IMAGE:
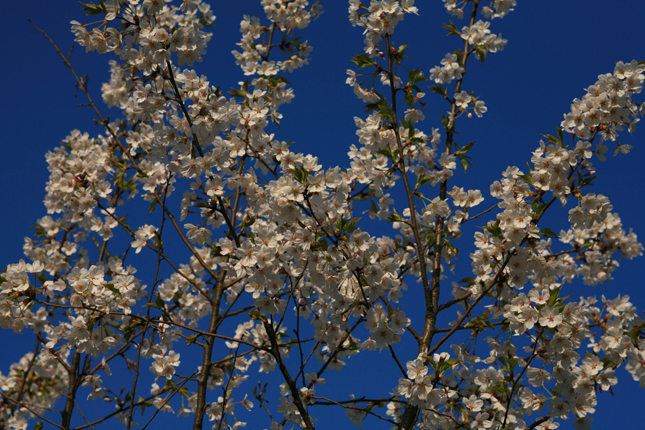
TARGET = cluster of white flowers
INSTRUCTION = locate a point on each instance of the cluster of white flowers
(479, 41)
(551, 362)
(607, 108)
(159, 31)
(379, 19)
(38, 381)
(497, 8)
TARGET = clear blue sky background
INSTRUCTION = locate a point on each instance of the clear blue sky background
(555, 50)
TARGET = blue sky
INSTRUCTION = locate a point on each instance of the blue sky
(554, 51)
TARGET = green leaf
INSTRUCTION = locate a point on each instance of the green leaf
(280, 79)
(323, 244)
(152, 207)
(636, 332)
(447, 365)
(40, 231)
(112, 288)
(159, 301)
(421, 179)
(553, 296)
(255, 315)
(129, 331)
(395, 217)
(410, 128)
(247, 222)
(494, 230)
(350, 226)
(464, 162)
(548, 233)
(373, 207)
(409, 99)
(452, 29)
(152, 305)
(552, 139)
(608, 362)
(466, 148)
(431, 360)
(527, 178)
(94, 9)
(439, 89)
(381, 107)
(415, 76)
(587, 181)
(300, 174)
(482, 50)
(388, 153)
(512, 362)
(537, 207)
(363, 61)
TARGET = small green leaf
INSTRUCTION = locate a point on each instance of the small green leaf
(548, 233)
(300, 174)
(159, 301)
(466, 148)
(112, 288)
(350, 226)
(452, 29)
(388, 153)
(94, 9)
(237, 93)
(363, 61)
(552, 139)
(422, 180)
(608, 362)
(447, 365)
(587, 181)
(439, 89)
(464, 162)
(512, 362)
(281, 79)
(494, 230)
(395, 217)
(553, 296)
(409, 99)
(415, 76)
(152, 305)
(323, 244)
(482, 50)
(538, 207)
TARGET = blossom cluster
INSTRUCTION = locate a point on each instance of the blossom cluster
(607, 108)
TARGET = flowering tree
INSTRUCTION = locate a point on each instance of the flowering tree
(275, 269)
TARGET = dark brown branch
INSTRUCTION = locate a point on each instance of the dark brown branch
(71, 392)
(297, 399)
